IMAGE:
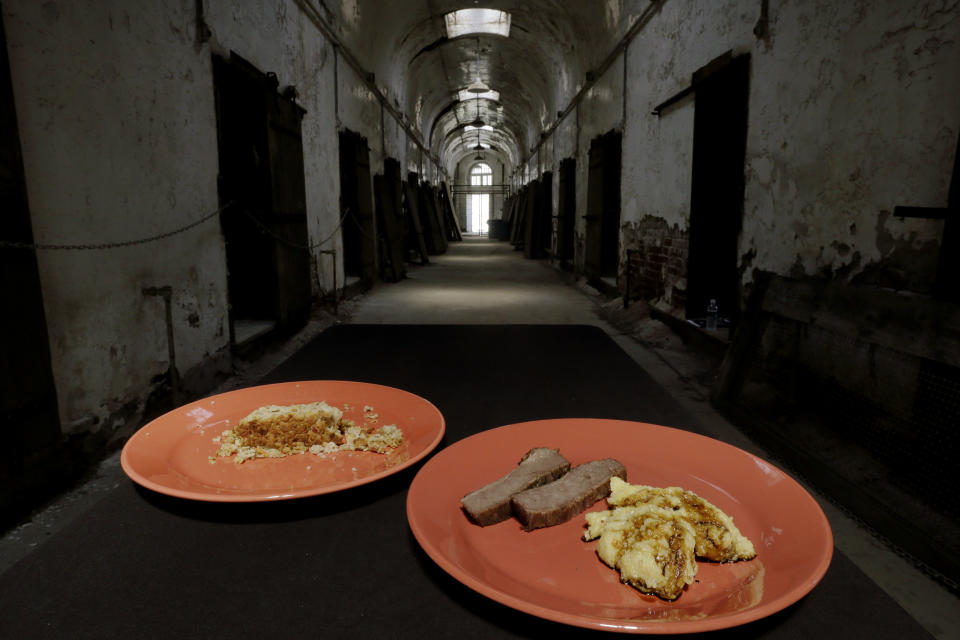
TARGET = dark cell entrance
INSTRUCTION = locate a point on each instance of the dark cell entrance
(537, 227)
(602, 248)
(716, 202)
(388, 197)
(29, 421)
(545, 205)
(261, 185)
(356, 205)
(566, 209)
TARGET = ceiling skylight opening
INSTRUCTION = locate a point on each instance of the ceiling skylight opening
(463, 94)
(470, 127)
(466, 21)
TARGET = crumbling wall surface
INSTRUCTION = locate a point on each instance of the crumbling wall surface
(658, 149)
(118, 134)
(117, 122)
(854, 109)
(359, 110)
(657, 262)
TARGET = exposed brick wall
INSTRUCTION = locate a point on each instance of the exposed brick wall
(657, 261)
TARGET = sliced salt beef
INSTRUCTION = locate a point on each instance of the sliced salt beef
(491, 504)
(575, 492)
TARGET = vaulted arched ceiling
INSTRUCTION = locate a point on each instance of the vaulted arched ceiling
(537, 69)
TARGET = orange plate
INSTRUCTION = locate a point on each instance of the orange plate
(171, 454)
(554, 574)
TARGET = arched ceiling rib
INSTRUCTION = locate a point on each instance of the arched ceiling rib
(537, 69)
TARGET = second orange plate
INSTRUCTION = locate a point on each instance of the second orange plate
(172, 454)
(552, 573)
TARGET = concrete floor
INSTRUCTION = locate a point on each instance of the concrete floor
(479, 281)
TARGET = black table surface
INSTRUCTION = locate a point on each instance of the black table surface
(143, 565)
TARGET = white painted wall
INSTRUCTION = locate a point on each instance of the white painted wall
(118, 130)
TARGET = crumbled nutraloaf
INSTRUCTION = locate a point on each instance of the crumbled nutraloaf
(275, 431)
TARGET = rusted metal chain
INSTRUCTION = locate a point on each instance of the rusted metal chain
(43, 246)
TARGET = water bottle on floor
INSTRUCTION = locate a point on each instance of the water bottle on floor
(712, 314)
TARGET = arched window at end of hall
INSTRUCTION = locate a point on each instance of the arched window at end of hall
(481, 175)
(478, 200)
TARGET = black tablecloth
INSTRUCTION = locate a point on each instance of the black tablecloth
(143, 565)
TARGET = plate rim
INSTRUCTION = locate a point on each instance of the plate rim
(140, 479)
(721, 621)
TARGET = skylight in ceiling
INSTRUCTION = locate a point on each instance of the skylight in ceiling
(464, 21)
(463, 94)
(470, 127)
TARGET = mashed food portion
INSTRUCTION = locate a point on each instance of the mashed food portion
(275, 431)
(652, 547)
(653, 536)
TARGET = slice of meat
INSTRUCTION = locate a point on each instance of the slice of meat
(573, 493)
(491, 504)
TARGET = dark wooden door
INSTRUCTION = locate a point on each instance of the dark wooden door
(389, 224)
(356, 205)
(261, 184)
(414, 235)
(518, 224)
(29, 421)
(288, 220)
(434, 230)
(531, 220)
(536, 241)
(716, 201)
(244, 189)
(566, 209)
(545, 222)
(602, 248)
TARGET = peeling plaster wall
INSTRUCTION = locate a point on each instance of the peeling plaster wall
(658, 150)
(853, 110)
(118, 132)
(867, 119)
(394, 140)
(359, 110)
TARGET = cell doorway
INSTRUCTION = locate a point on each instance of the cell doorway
(262, 195)
(478, 204)
(716, 200)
